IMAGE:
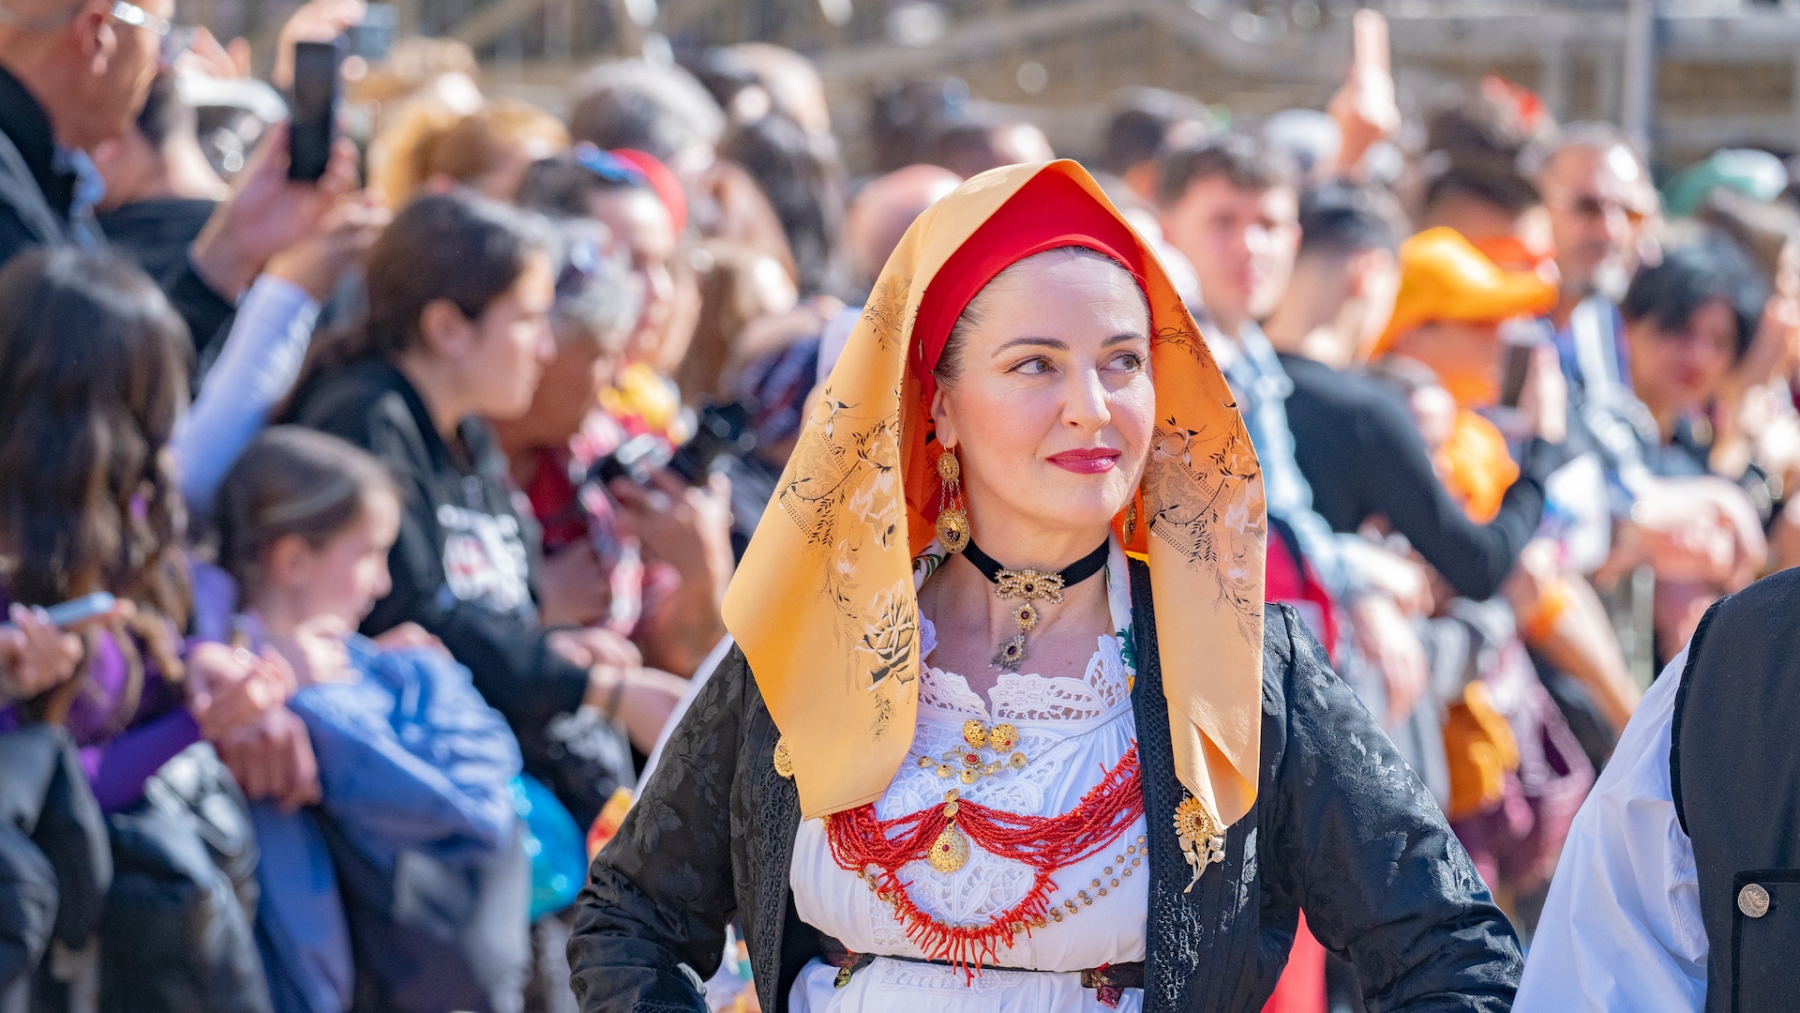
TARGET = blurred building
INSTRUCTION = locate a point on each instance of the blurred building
(1725, 72)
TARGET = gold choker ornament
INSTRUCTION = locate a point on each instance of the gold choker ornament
(1032, 586)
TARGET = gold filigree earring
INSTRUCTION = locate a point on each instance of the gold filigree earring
(952, 520)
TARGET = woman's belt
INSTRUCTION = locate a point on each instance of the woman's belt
(1108, 981)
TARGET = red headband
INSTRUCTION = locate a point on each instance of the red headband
(1051, 210)
(662, 182)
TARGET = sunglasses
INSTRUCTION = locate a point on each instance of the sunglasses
(1594, 208)
(607, 166)
(173, 39)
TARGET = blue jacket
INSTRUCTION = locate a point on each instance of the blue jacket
(415, 769)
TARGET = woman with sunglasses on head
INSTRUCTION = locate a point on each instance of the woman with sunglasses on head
(1007, 726)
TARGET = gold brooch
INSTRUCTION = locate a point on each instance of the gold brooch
(969, 765)
(1202, 838)
(784, 763)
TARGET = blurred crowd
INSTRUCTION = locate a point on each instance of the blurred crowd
(394, 510)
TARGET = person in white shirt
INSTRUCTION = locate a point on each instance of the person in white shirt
(1679, 886)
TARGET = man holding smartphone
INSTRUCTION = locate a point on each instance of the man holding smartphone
(75, 75)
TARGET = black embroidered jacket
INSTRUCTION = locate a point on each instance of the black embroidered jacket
(1342, 829)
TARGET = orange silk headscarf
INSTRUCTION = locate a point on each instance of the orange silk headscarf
(823, 603)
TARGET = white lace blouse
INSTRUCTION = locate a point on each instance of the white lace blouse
(1073, 730)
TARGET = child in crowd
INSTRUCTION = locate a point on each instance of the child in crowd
(413, 857)
(457, 333)
(93, 379)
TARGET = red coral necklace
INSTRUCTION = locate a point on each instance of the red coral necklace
(941, 835)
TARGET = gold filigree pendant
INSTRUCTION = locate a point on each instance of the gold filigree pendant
(784, 763)
(1011, 654)
(950, 851)
(953, 529)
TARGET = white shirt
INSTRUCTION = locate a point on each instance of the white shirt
(1621, 929)
(1072, 730)
(257, 367)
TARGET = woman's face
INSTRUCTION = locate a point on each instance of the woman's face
(571, 385)
(513, 344)
(1052, 410)
(1675, 371)
(640, 221)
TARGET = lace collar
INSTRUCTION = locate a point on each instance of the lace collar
(1102, 692)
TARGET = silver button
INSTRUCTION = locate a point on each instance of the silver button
(1753, 900)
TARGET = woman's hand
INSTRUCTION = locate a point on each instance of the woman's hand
(267, 212)
(273, 759)
(1696, 529)
(639, 698)
(595, 645)
(688, 527)
(318, 21)
(230, 689)
(1403, 580)
(1388, 640)
(1364, 106)
(316, 652)
(35, 655)
(410, 635)
(573, 587)
(341, 238)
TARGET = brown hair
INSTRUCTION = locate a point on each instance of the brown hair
(429, 140)
(455, 246)
(1245, 162)
(728, 303)
(93, 372)
(292, 481)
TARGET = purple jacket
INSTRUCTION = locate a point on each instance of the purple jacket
(120, 750)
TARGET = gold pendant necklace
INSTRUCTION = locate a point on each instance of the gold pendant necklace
(1032, 586)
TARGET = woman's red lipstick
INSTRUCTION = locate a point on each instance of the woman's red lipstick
(1086, 462)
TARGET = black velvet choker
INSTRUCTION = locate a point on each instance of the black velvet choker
(1069, 576)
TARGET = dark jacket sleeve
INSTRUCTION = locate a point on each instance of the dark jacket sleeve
(206, 312)
(1367, 853)
(15, 235)
(1397, 480)
(659, 895)
(511, 661)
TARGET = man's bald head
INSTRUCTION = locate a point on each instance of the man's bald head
(89, 71)
(881, 212)
(1599, 196)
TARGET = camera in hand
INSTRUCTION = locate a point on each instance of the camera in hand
(723, 429)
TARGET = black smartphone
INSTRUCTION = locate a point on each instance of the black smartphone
(314, 120)
(1518, 368)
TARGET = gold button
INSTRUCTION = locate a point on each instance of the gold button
(1753, 900)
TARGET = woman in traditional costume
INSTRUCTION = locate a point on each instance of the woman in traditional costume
(957, 759)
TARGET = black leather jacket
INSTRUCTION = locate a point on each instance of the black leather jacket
(1342, 829)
